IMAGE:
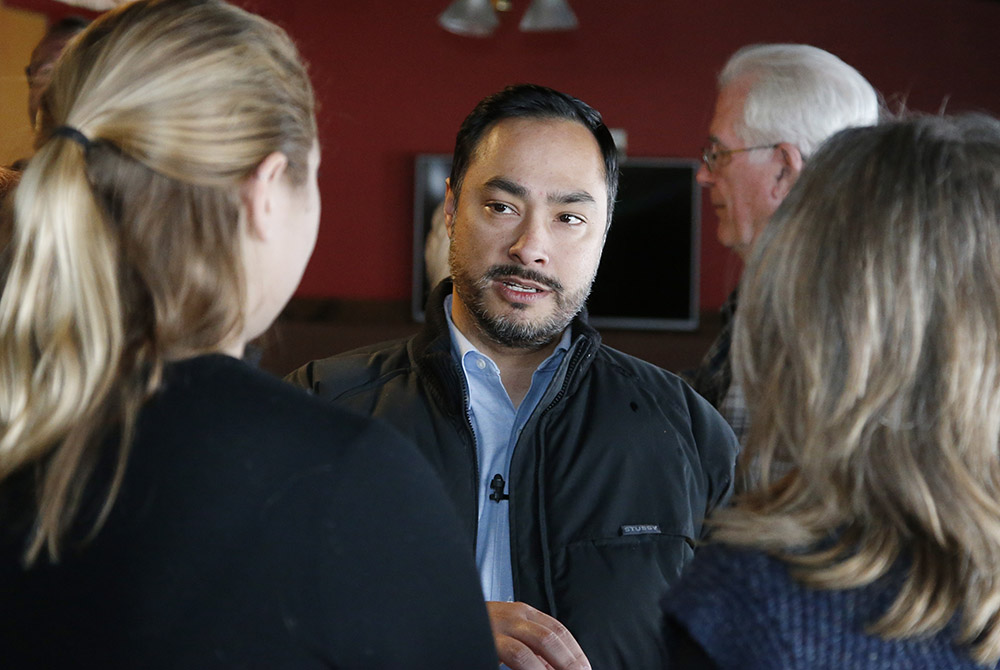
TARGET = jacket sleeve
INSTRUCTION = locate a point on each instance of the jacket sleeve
(303, 376)
(717, 448)
(343, 374)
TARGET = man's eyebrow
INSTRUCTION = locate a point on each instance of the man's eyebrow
(571, 197)
(519, 191)
(507, 186)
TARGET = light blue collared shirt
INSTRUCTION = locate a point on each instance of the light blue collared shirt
(496, 425)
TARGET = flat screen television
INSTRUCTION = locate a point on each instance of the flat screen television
(648, 278)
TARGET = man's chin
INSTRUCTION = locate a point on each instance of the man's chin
(727, 236)
(498, 307)
(516, 330)
(529, 324)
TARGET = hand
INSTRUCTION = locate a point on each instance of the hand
(527, 639)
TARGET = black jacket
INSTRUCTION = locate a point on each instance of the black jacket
(609, 481)
(256, 527)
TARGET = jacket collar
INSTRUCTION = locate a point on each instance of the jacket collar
(431, 348)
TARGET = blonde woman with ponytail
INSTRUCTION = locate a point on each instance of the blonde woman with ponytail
(162, 503)
(868, 343)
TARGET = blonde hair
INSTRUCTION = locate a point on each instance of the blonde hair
(126, 248)
(868, 343)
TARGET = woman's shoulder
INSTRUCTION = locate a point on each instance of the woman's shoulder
(729, 603)
(226, 415)
(720, 570)
(233, 436)
(221, 391)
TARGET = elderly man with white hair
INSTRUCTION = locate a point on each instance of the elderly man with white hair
(776, 104)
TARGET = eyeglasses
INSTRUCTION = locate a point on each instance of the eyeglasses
(710, 157)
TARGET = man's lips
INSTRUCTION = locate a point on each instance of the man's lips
(522, 281)
(522, 285)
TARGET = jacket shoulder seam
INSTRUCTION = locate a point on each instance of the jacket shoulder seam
(381, 380)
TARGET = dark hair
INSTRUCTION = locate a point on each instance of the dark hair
(537, 102)
(67, 26)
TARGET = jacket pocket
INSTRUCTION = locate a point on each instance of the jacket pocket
(603, 570)
(608, 594)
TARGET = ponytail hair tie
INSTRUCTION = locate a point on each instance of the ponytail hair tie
(75, 135)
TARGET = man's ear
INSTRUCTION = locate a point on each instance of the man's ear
(450, 203)
(790, 167)
(260, 195)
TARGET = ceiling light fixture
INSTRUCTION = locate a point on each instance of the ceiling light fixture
(473, 18)
(478, 18)
(545, 15)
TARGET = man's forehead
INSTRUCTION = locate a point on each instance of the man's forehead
(513, 139)
(492, 137)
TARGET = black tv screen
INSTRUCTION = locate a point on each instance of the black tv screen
(648, 278)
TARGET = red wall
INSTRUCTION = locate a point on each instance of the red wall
(393, 84)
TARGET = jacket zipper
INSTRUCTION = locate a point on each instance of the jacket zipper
(574, 362)
(475, 458)
(570, 373)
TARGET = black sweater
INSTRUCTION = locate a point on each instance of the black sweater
(256, 527)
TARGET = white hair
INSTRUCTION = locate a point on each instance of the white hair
(798, 94)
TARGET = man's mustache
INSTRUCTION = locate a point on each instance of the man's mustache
(498, 271)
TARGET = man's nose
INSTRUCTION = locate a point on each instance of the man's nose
(532, 243)
(704, 176)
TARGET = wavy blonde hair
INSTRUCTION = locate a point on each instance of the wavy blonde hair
(868, 343)
(127, 252)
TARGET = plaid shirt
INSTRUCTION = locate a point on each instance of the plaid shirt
(713, 379)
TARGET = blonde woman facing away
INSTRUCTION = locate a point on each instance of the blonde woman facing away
(868, 342)
(163, 504)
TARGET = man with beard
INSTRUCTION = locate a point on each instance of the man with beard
(583, 474)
